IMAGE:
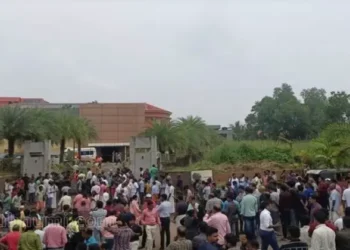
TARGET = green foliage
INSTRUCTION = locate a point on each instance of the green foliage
(283, 114)
(187, 138)
(245, 151)
(19, 124)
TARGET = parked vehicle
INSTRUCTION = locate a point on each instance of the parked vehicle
(87, 154)
(341, 175)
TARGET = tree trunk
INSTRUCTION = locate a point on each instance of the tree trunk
(79, 149)
(11, 147)
(62, 147)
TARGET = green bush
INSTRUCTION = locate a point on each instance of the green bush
(238, 152)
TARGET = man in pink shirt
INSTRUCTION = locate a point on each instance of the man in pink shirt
(55, 236)
(219, 221)
(150, 219)
(109, 221)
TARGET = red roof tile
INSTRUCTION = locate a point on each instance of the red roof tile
(150, 107)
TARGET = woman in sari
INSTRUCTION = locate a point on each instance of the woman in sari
(135, 208)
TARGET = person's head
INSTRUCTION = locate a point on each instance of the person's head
(346, 222)
(150, 204)
(253, 245)
(181, 232)
(266, 205)
(99, 204)
(243, 238)
(87, 233)
(313, 199)
(132, 220)
(66, 208)
(249, 190)
(180, 198)
(284, 187)
(231, 240)
(163, 197)
(320, 216)
(216, 208)
(230, 197)
(123, 219)
(304, 220)
(31, 224)
(212, 234)
(15, 228)
(294, 232)
(203, 227)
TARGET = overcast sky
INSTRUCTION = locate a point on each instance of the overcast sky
(212, 59)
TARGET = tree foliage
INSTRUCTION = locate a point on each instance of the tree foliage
(19, 124)
(187, 137)
(283, 114)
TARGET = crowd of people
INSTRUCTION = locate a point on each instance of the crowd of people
(117, 210)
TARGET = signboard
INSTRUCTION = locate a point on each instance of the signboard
(205, 174)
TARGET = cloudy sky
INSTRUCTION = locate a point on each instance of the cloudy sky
(208, 58)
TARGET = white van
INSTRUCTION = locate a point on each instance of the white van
(87, 154)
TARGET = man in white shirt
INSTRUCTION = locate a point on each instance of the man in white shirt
(323, 238)
(334, 203)
(89, 174)
(346, 196)
(267, 234)
(339, 222)
(233, 179)
(65, 200)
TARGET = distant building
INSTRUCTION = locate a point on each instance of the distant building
(14, 100)
(225, 132)
(115, 123)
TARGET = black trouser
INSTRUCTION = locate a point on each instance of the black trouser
(285, 220)
(165, 223)
(141, 197)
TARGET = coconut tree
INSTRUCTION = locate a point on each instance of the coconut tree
(332, 154)
(82, 131)
(166, 133)
(16, 124)
(65, 126)
(194, 134)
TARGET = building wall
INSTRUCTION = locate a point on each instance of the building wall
(115, 123)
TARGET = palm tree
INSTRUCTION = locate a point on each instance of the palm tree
(82, 132)
(18, 124)
(332, 154)
(166, 133)
(194, 134)
(65, 126)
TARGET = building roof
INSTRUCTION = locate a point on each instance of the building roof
(149, 107)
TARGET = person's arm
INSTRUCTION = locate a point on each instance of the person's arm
(38, 245)
(242, 206)
(20, 244)
(64, 237)
(3, 242)
(112, 229)
(45, 237)
(158, 219)
(333, 202)
(228, 227)
(206, 218)
(344, 200)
